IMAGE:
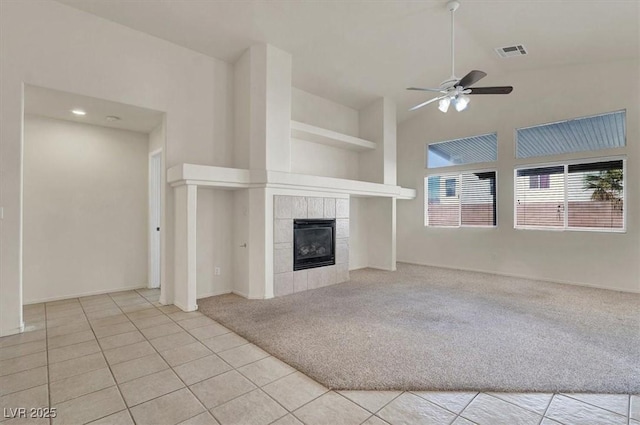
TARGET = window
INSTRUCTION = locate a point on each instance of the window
(469, 150)
(582, 195)
(593, 133)
(467, 199)
(539, 181)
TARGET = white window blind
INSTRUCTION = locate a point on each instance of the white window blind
(604, 131)
(468, 150)
(586, 195)
(465, 199)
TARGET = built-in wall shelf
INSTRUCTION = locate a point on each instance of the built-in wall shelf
(311, 133)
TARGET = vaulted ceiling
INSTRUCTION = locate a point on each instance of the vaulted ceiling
(355, 51)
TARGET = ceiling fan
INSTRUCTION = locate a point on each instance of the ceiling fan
(454, 91)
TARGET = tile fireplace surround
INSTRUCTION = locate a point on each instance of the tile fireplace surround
(288, 208)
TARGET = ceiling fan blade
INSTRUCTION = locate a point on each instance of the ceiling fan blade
(471, 78)
(491, 90)
(425, 89)
(426, 103)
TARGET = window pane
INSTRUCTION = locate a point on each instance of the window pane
(542, 205)
(469, 150)
(442, 209)
(478, 200)
(578, 135)
(595, 192)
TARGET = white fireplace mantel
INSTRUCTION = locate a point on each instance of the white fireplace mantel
(237, 178)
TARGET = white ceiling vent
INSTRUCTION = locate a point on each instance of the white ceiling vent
(511, 51)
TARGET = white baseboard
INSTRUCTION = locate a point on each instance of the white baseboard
(12, 331)
(85, 294)
(242, 294)
(519, 276)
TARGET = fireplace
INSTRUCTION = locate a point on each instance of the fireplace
(314, 243)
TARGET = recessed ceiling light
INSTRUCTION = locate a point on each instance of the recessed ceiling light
(78, 112)
(113, 118)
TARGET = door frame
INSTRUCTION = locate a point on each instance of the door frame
(152, 155)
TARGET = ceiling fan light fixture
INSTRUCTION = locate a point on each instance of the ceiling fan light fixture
(461, 102)
(444, 103)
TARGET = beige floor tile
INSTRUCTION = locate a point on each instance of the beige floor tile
(371, 400)
(110, 321)
(120, 418)
(75, 311)
(201, 369)
(635, 407)
(123, 302)
(23, 380)
(634, 422)
(288, 420)
(294, 390)
(145, 314)
(128, 352)
(224, 342)
(208, 331)
(137, 307)
(169, 409)
(151, 386)
(570, 411)
(486, 409)
(79, 385)
(70, 339)
(104, 305)
(374, 420)
(121, 340)
(332, 409)
(186, 353)
(97, 314)
(149, 322)
(184, 315)
(67, 301)
(68, 329)
(22, 363)
(22, 349)
(243, 355)
(168, 309)
(536, 402)
(168, 342)
(136, 368)
(32, 398)
(22, 338)
(410, 409)
(89, 407)
(617, 403)
(201, 419)
(453, 401)
(253, 408)
(221, 388)
(162, 330)
(266, 371)
(73, 351)
(117, 329)
(197, 322)
(73, 367)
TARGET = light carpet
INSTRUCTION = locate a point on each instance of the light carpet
(427, 328)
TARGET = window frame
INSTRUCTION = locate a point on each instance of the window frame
(565, 164)
(458, 175)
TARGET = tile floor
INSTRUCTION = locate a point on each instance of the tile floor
(122, 358)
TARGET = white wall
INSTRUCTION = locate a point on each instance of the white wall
(358, 233)
(589, 258)
(85, 209)
(214, 239)
(114, 63)
(316, 159)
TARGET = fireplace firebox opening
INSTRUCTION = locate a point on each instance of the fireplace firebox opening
(314, 243)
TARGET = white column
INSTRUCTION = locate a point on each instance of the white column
(378, 124)
(185, 201)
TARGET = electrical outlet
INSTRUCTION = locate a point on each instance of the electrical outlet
(216, 271)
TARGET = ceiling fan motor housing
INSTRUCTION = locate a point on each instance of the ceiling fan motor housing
(453, 5)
